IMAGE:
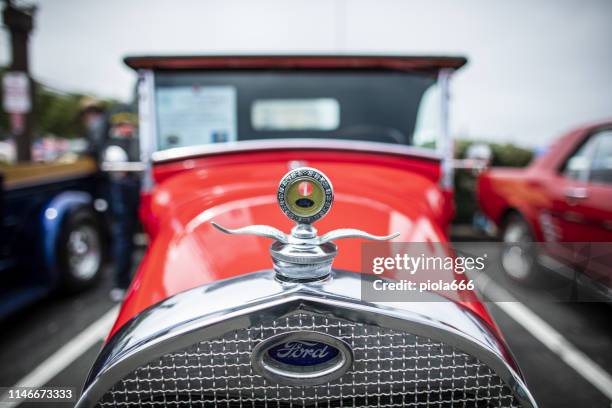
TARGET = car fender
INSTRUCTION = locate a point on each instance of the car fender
(52, 217)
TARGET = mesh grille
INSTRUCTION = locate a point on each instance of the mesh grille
(391, 369)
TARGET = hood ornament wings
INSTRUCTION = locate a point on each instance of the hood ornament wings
(305, 195)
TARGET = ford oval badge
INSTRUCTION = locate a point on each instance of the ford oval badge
(302, 358)
(303, 353)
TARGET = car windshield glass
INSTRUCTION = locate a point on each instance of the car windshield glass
(196, 108)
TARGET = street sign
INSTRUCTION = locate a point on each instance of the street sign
(16, 92)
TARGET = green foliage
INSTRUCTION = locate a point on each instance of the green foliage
(504, 155)
(56, 114)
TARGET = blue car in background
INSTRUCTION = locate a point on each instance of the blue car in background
(51, 237)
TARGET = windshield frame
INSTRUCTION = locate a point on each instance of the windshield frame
(150, 152)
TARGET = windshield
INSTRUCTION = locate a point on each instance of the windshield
(196, 108)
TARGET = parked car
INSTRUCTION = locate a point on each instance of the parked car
(240, 150)
(51, 238)
(563, 199)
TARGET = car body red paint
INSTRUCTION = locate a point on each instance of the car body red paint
(375, 191)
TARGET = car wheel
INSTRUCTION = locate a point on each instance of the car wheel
(518, 255)
(80, 251)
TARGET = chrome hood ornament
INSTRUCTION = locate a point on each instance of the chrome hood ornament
(305, 195)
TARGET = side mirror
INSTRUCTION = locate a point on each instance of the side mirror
(477, 158)
(115, 159)
(479, 151)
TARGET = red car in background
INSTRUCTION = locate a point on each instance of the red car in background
(563, 198)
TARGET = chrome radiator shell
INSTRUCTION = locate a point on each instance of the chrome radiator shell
(251, 301)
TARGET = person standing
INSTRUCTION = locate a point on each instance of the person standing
(92, 115)
(124, 194)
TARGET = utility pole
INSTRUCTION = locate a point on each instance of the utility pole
(18, 89)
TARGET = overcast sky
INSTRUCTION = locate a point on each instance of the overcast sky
(537, 67)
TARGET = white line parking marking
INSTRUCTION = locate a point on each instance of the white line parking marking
(551, 338)
(62, 358)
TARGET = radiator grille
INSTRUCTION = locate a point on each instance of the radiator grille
(391, 369)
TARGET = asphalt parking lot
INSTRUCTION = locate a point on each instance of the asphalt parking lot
(552, 373)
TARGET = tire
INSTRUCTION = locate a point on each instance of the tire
(519, 255)
(80, 250)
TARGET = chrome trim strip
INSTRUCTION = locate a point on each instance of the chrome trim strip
(134, 167)
(147, 124)
(211, 310)
(445, 142)
(181, 153)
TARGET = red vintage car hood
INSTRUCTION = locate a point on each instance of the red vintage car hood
(380, 198)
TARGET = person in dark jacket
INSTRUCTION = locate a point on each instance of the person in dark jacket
(93, 116)
(124, 193)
